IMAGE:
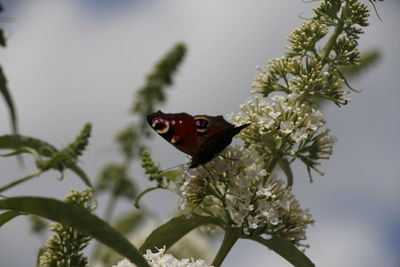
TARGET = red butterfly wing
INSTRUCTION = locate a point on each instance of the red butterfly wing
(201, 136)
(179, 129)
(214, 144)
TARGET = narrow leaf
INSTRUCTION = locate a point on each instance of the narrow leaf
(7, 98)
(285, 166)
(173, 230)
(287, 250)
(78, 218)
(81, 173)
(17, 142)
(8, 216)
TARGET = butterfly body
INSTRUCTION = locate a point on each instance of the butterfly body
(201, 136)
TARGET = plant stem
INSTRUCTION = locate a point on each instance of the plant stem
(271, 167)
(230, 238)
(332, 40)
(37, 172)
(110, 208)
(137, 199)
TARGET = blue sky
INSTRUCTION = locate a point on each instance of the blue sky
(69, 62)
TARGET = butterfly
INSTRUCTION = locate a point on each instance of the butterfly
(202, 137)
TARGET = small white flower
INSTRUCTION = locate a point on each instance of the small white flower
(286, 127)
(266, 122)
(316, 118)
(160, 259)
(124, 263)
(292, 96)
(278, 98)
(274, 220)
(253, 222)
(262, 191)
(274, 114)
(300, 135)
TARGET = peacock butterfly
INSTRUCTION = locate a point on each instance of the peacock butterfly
(201, 136)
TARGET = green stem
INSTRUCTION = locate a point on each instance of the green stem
(271, 166)
(37, 172)
(332, 40)
(110, 208)
(230, 238)
(137, 199)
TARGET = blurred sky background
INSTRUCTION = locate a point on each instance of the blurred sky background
(71, 62)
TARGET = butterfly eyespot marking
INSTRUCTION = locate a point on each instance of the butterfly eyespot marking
(160, 125)
(202, 124)
(175, 139)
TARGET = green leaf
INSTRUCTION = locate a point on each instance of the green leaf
(8, 216)
(78, 218)
(7, 98)
(2, 38)
(17, 142)
(285, 166)
(173, 230)
(287, 250)
(81, 173)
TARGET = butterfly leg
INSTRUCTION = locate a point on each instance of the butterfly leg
(209, 172)
(227, 157)
(214, 185)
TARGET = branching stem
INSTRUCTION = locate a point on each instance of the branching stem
(332, 40)
(230, 238)
(37, 172)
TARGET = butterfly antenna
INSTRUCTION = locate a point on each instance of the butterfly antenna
(183, 164)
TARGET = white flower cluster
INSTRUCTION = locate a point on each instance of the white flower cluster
(239, 191)
(161, 259)
(193, 244)
(284, 118)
